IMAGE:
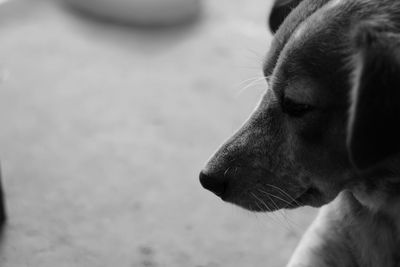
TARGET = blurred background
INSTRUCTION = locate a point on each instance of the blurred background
(106, 123)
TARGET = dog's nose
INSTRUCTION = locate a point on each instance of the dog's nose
(214, 184)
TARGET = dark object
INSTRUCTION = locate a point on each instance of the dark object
(215, 185)
(2, 204)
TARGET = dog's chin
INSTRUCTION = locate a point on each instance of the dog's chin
(310, 197)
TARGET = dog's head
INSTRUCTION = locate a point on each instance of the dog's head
(330, 112)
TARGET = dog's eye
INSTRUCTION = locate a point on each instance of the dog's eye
(294, 109)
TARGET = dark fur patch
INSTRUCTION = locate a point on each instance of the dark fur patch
(374, 131)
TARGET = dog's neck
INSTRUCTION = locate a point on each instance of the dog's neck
(379, 201)
(372, 226)
(352, 231)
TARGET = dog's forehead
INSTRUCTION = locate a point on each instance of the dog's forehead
(314, 47)
(291, 23)
(313, 19)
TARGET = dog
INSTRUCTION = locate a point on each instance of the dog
(326, 133)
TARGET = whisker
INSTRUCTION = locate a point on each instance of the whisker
(258, 54)
(227, 170)
(291, 224)
(261, 208)
(253, 83)
(247, 67)
(281, 199)
(269, 210)
(279, 211)
(257, 201)
(261, 202)
(286, 194)
(250, 79)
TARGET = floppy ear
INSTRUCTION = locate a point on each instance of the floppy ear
(280, 11)
(374, 123)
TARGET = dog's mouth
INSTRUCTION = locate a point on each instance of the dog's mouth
(311, 196)
(268, 197)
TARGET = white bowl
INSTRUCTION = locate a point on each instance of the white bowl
(145, 12)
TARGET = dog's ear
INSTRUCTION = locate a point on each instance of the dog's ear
(280, 11)
(374, 119)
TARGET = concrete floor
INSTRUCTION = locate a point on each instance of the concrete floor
(104, 131)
